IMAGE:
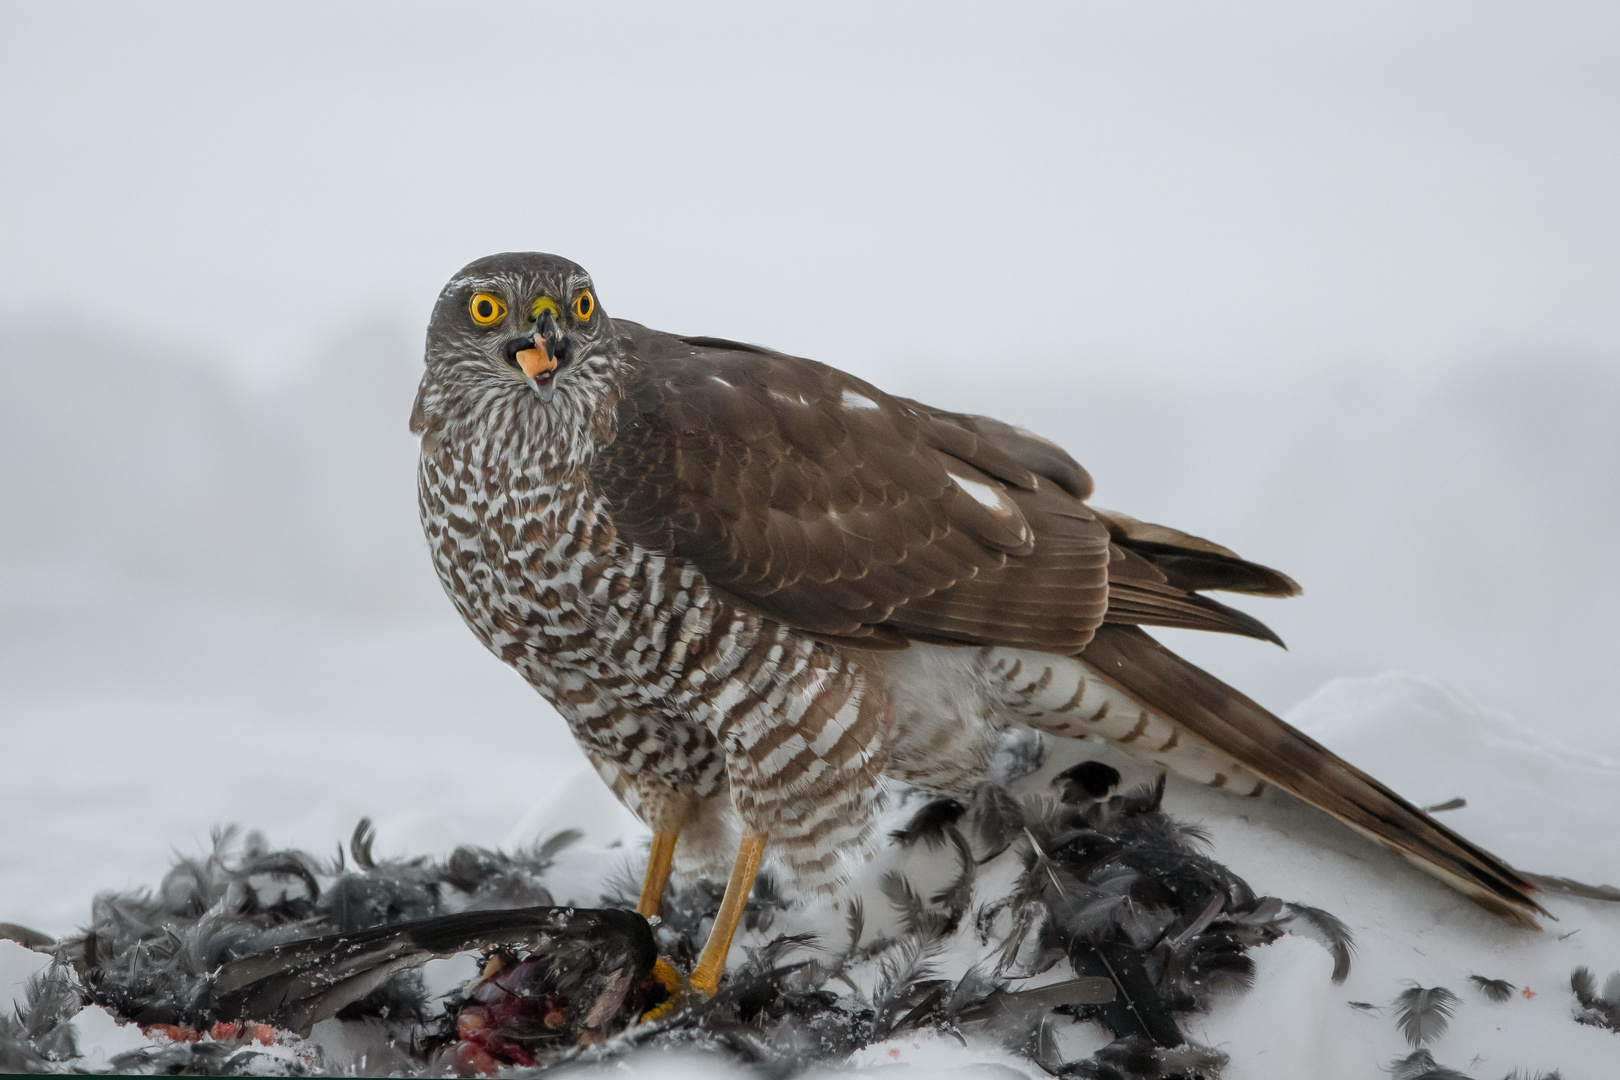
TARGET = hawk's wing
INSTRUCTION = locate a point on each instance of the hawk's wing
(1154, 572)
(814, 498)
(1152, 580)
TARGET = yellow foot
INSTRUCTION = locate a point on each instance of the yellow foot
(673, 984)
(704, 983)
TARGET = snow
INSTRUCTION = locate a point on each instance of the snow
(100, 1037)
(935, 1054)
(1539, 803)
(1292, 993)
(17, 966)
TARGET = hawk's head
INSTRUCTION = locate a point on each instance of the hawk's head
(519, 322)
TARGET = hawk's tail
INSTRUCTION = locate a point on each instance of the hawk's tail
(1276, 752)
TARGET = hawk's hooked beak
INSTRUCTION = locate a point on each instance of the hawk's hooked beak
(540, 355)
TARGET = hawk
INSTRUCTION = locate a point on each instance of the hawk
(754, 586)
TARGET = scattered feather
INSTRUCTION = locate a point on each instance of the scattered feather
(900, 969)
(1152, 926)
(19, 1053)
(996, 817)
(1136, 1058)
(928, 824)
(203, 1059)
(1573, 887)
(50, 1002)
(1087, 781)
(1420, 1065)
(1497, 990)
(365, 834)
(1328, 929)
(1598, 1009)
(1424, 1012)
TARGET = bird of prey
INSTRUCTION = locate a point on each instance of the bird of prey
(754, 586)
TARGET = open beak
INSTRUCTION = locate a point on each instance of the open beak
(540, 355)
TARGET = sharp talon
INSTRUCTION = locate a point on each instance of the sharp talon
(664, 1008)
(673, 984)
(666, 974)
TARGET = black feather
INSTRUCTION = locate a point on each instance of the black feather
(1424, 1012)
(298, 984)
(1136, 1058)
(928, 825)
(1599, 1009)
(915, 917)
(1330, 930)
(203, 1059)
(900, 969)
(1087, 781)
(854, 923)
(1137, 1007)
(1497, 990)
(360, 844)
(1152, 926)
(997, 818)
(1420, 1065)
(18, 1052)
(50, 1002)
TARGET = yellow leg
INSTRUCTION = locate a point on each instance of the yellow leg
(658, 860)
(706, 976)
(652, 895)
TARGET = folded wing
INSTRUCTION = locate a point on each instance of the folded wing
(814, 498)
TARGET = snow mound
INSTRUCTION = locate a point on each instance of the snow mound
(1531, 801)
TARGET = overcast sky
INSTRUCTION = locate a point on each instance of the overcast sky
(1016, 185)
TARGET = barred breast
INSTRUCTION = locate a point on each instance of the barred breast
(659, 680)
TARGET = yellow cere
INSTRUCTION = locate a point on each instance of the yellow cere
(545, 303)
(584, 304)
(485, 309)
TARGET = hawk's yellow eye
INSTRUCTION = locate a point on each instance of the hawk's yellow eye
(485, 309)
(584, 305)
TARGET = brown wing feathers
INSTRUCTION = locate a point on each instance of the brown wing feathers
(1153, 572)
(1152, 577)
(1191, 562)
(815, 499)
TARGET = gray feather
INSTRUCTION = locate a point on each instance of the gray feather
(1424, 1012)
(1497, 990)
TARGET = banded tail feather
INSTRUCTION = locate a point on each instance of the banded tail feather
(1276, 752)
